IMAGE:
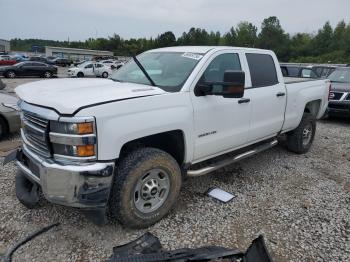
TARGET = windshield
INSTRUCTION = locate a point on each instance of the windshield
(168, 70)
(341, 75)
(83, 64)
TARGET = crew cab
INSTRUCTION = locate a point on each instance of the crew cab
(125, 144)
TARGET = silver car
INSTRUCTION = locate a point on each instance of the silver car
(9, 115)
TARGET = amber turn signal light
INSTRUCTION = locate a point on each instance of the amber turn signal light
(85, 128)
(86, 150)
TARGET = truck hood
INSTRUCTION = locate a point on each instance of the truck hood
(67, 96)
(341, 87)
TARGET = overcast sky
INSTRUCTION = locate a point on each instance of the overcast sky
(81, 19)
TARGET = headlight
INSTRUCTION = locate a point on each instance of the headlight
(74, 138)
(12, 106)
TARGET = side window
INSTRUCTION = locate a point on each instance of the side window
(216, 69)
(306, 72)
(262, 70)
(293, 71)
(89, 66)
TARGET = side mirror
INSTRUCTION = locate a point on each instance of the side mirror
(231, 87)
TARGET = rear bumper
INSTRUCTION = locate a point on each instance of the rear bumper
(84, 186)
(341, 108)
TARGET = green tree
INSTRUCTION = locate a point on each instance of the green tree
(230, 37)
(323, 40)
(246, 34)
(273, 37)
(166, 39)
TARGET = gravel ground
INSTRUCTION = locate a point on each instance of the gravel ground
(299, 202)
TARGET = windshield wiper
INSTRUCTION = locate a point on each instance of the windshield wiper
(143, 70)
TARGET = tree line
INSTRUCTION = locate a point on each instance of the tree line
(327, 45)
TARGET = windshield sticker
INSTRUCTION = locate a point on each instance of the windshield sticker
(192, 56)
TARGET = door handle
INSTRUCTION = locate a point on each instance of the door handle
(243, 100)
(280, 94)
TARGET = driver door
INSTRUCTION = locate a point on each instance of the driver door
(89, 70)
(221, 124)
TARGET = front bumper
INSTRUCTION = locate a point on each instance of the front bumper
(341, 108)
(84, 186)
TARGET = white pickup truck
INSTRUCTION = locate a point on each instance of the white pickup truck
(124, 145)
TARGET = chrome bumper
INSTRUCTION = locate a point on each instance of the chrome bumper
(85, 186)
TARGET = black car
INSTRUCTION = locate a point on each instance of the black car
(62, 61)
(298, 71)
(40, 59)
(29, 68)
(339, 96)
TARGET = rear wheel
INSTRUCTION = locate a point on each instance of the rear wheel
(10, 74)
(300, 140)
(145, 188)
(104, 74)
(80, 74)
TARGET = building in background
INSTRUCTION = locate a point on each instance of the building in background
(75, 53)
(4, 46)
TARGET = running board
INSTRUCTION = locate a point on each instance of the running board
(218, 165)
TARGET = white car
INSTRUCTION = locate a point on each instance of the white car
(124, 146)
(103, 70)
(82, 70)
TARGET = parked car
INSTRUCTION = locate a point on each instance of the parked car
(339, 104)
(298, 71)
(103, 70)
(9, 115)
(6, 60)
(169, 113)
(82, 70)
(323, 71)
(29, 68)
(40, 59)
(62, 61)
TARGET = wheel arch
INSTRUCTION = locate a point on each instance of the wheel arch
(172, 142)
(313, 107)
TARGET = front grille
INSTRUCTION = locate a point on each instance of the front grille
(336, 95)
(35, 130)
(348, 97)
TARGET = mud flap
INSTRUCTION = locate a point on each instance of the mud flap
(11, 157)
(27, 192)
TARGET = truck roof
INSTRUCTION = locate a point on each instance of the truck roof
(200, 49)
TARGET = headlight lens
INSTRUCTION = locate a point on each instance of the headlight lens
(74, 140)
(72, 128)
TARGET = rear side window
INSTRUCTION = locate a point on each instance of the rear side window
(262, 70)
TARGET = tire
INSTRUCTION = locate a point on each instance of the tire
(47, 74)
(300, 139)
(4, 128)
(80, 74)
(10, 74)
(104, 75)
(27, 192)
(140, 179)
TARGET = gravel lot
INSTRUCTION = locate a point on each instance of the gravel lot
(299, 202)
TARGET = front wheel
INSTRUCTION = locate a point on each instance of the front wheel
(104, 74)
(300, 139)
(145, 188)
(47, 74)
